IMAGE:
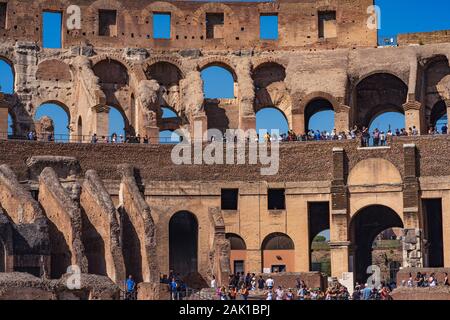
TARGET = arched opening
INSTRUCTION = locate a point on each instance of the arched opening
(218, 82)
(2, 257)
(7, 76)
(168, 125)
(238, 254)
(268, 73)
(166, 73)
(112, 74)
(319, 236)
(59, 124)
(183, 243)
(117, 124)
(277, 253)
(438, 116)
(377, 94)
(393, 122)
(366, 227)
(319, 115)
(271, 120)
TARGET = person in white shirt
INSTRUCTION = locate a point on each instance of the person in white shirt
(213, 282)
(270, 283)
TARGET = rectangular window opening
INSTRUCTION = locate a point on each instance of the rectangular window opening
(433, 232)
(161, 25)
(107, 23)
(229, 199)
(52, 29)
(268, 26)
(276, 199)
(327, 24)
(3, 10)
(214, 25)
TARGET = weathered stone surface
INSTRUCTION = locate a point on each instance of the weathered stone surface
(64, 166)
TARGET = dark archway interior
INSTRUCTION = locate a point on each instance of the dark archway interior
(268, 73)
(165, 73)
(377, 94)
(111, 73)
(236, 242)
(277, 241)
(315, 106)
(432, 209)
(318, 221)
(364, 227)
(183, 238)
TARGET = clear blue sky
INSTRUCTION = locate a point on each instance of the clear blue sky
(397, 16)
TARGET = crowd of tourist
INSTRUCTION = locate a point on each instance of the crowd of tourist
(422, 280)
(375, 138)
(241, 286)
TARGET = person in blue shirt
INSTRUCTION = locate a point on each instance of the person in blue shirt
(173, 288)
(131, 286)
(366, 292)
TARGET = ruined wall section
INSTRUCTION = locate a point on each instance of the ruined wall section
(138, 213)
(219, 254)
(100, 212)
(15, 200)
(64, 214)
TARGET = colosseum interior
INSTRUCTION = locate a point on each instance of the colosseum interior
(119, 210)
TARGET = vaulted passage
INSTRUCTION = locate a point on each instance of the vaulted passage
(183, 243)
(94, 247)
(131, 247)
(59, 252)
(365, 226)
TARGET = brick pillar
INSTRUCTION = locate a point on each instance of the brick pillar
(3, 118)
(342, 118)
(339, 244)
(412, 233)
(198, 127)
(100, 124)
(298, 123)
(412, 115)
(247, 122)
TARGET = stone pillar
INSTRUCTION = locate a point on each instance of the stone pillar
(341, 118)
(3, 117)
(339, 245)
(100, 124)
(198, 127)
(412, 115)
(412, 232)
(298, 123)
(247, 122)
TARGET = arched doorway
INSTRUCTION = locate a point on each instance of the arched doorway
(319, 115)
(366, 225)
(277, 253)
(319, 236)
(238, 254)
(271, 120)
(183, 243)
(438, 116)
(117, 123)
(387, 122)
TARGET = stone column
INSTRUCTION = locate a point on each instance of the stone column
(412, 233)
(298, 122)
(3, 117)
(339, 244)
(412, 115)
(100, 124)
(341, 118)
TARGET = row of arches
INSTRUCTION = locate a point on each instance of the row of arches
(377, 99)
(367, 229)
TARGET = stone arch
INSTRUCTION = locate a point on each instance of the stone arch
(171, 60)
(277, 250)
(374, 171)
(376, 93)
(214, 7)
(160, 6)
(364, 226)
(135, 73)
(53, 70)
(316, 95)
(268, 72)
(238, 252)
(438, 110)
(166, 73)
(258, 62)
(236, 241)
(59, 103)
(219, 62)
(111, 71)
(183, 243)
